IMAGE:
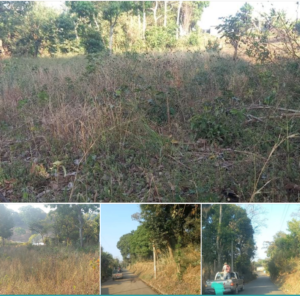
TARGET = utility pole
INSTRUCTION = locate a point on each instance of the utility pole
(232, 254)
(218, 240)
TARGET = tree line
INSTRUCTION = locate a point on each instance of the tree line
(30, 28)
(283, 252)
(68, 224)
(167, 228)
(259, 36)
(227, 230)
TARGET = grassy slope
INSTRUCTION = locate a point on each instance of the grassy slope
(43, 270)
(168, 281)
(289, 281)
(115, 140)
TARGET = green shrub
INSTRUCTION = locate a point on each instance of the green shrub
(161, 38)
(218, 123)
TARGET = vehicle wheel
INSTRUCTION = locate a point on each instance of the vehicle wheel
(242, 288)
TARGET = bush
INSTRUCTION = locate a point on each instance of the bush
(218, 123)
(92, 41)
(213, 46)
(160, 37)
(193, 39)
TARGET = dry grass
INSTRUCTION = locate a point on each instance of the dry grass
(41, 270)
(168, 281)
(122, 131)
(289, 282)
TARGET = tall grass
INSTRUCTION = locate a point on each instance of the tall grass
(179, 127)
(44, 270)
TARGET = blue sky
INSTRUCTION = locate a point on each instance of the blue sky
(276, 218)
(115, 222)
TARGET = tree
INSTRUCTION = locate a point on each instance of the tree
(124, 245)
(41, 227)
(39, 32)
(111, 11)
(235, 28)
(29, 214)
(75, 212)
(12, 17)
(6, 223)
(223, 225)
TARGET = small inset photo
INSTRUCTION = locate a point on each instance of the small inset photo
(250, 249)
(49, 249)
(150, 249)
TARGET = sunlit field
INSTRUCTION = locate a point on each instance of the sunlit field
(43, 270)
(181, 126)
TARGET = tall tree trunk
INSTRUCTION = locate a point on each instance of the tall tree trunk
(139, 22)
(165, 17)
(154, 13)
(80, 226)
(144, 21)
(111, 34)
(178, 16)
(219, 248)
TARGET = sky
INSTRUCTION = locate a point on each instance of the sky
(218, 9)
(276, 218)
(115, 222)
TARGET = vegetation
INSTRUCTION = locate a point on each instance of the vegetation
(53, 261)
(139, 125)
(171, 233)
(224, 226)
(284, 257)
(108, 264)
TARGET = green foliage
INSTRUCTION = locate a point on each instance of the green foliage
(6, 222)
(235, 226)
(213, 46)
(161, 38)
(194, 39)
(236, 28)
(92, 41)
(168, 227)
(284, 250)
(218, 124)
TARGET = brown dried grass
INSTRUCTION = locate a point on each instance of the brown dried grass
(42, 270)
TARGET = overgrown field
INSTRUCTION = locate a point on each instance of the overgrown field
(182, 127)
(42, 270)
(172, 278)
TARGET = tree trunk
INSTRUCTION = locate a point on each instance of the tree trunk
(144, 21)
(80, 220)
(111, 34)
(165, 17)
(178, 16)
(154, 13)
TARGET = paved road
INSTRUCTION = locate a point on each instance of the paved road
(261, 286)
(130, 284)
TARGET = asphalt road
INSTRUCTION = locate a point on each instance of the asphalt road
(261, 286)
(129, 284)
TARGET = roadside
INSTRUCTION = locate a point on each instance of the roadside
(168, 282)
(130, 284)
(289, 282)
